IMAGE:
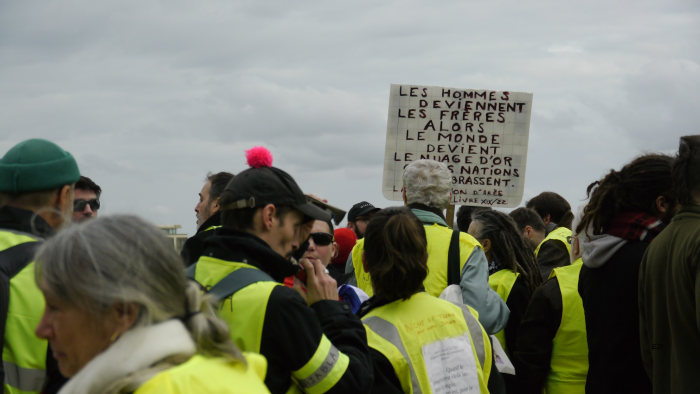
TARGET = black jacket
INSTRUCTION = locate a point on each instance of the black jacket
(385, 379)
(25, 221)
(610, 302)
(292, 331)
(536, 334)
(194, 246)
(553, 254)
(517, 302)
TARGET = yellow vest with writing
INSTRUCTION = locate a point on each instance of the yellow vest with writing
(502, 283)
(560, 234)
(569, 365)
(24, 355)
(244, 312)
(438, 245)
(401, 329)
(202, 374)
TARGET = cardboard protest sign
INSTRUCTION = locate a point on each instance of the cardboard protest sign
(481, 135)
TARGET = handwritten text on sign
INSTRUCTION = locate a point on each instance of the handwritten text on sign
(481, 135)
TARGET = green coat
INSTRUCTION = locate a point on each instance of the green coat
(669, 305)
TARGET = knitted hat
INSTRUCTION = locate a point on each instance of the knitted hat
(346, 240)
(35, 165)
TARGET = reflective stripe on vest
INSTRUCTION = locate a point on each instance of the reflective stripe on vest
(438, 238)
(324, 370)
(560, 234)
(244, 312)
(212, 228)
(399, 331)
(23, 379)
(502, 283)
(391, 334)
(24, 355)
(569, 363)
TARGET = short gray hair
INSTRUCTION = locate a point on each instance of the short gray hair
(427, 182)
(124, 259)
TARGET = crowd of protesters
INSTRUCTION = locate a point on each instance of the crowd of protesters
(271, 295)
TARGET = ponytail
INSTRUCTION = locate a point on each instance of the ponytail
(396, 253)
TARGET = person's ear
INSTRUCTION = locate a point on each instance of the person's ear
(486, 244)
(351, 226)
(335, 250)
(64, 200)
(268, 216)
(528, 231)
(216, 207)
(403, 193)
(661, 204)
(364, 262)
(547, 219)
(124, 316)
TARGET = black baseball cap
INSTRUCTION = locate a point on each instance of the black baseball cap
(257, 187)
(360, 209)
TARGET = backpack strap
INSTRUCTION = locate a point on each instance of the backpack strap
(237, 280)
(190, 271)
(12, 261)
(453, 263)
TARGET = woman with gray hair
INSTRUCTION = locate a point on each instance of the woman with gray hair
(121, 317)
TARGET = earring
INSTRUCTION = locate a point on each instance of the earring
(115, 336)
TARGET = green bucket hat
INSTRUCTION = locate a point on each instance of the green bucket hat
(35, 165)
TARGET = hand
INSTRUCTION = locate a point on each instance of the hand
(319, 285)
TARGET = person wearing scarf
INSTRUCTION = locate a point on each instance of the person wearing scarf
(626, 210)
(121, 316)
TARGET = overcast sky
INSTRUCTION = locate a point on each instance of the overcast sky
(151, 95)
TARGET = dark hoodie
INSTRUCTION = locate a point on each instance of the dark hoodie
(291, 330)
(608, 287)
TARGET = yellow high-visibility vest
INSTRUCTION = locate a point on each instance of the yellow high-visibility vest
(202, 374)
(408, 332)
(24, 354)
(502, 283)
(560, 234)
(438, 238)
(569, 364)
(244, 312)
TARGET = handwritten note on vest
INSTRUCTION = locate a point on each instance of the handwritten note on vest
(481, 135)
(451, 366)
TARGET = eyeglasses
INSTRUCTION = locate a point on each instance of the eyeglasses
(364, 219)
(322, 239)
(79, 204)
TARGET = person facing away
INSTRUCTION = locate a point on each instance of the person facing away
(552, 354)
(513, 273)
(464, 216)
(626, 210)
(121, 316)
(37, 181)
(359, 215)
(535, 232)
(417, 341)
(208, 215)
(312, 341)
(426, 191)
(668, 285)
(556, 214)
(86, 200)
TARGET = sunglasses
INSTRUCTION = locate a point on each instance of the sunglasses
(322, 239)
(79, 204)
